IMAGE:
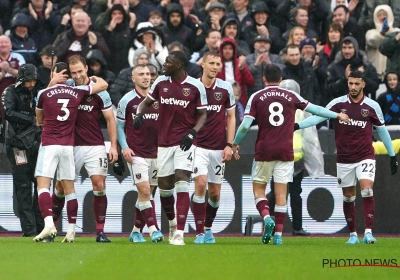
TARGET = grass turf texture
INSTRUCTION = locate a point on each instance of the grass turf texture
(229, 258)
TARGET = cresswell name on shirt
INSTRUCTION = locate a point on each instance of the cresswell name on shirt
(355, 123)
(275, 93)
(148, 116)
(173, 101)
(62, 90)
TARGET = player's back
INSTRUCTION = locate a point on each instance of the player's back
(274, 109)
(60, 108)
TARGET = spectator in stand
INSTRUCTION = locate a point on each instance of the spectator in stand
(90, 7)
(10, 62)
(203, 6)
(213, 40)
(214, 21)
(341, 16)
(118, 38)
(21, 40)
(261, 26)
(149, 39)
(296, 69)
(383, 18)
(68, 14)
(300, 18)
(367, 16)
(308, 52)
(242, 13)
(140, 10)
(97, 66)
(79, 40)
(192, 17)
(257, 61)
(390, 47)
(43, 21)
(155, 18)
(234, 68)
(349, 59)
(390, 100)
(174, 29)
(123, 83)
(49, 58)
(230, 29)
(297, 34)
(103, 20)
(192, 69)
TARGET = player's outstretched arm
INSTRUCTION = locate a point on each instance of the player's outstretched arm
(387, 141)
(240, 134)
(99, 84)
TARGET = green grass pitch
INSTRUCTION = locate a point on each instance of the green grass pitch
(230, 258)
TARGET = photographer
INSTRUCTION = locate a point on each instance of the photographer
(22, 139)
(349, 59)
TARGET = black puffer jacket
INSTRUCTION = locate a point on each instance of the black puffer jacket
(123, 83)
(24, 46)
(243, 47)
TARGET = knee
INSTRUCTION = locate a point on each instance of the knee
(98, 185)
(367, 193)
(349, 198)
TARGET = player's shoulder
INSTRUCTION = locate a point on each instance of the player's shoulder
(130, 95)
(344, 99)
(370, 102)
(162, 78)
(223, 84)
(193, 81)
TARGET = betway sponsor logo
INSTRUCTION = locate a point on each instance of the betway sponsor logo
(173, 101)
(150, 116)
(214, 108)
(355, 123)
(85, 108)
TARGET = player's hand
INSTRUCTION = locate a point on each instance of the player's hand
(128, 155)
(113, 154)
(138, 121)
(393, 165)
(119, 167)
(343, 117)
(58, 78)
(187, 141)
(296, 126)
(235, 150)
(227, 154)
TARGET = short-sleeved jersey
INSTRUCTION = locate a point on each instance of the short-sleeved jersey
(274, 108)
(60, 109)
(87, 130)
(178, 101)
(354, 139)
(220, 98)
(142, 141)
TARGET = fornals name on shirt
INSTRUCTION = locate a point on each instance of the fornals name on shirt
(62, 90)
(173, 101)
(275, 93)
(214, 108)
(85, 108)
(355, 123)
(150, 116)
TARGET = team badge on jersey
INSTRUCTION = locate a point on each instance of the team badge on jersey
(186, 91)
(13, 64)
(89, 98)
(364, 112)
(339, 181)
(195, 170)
(344, 111)
(138, 176)
(218, 95)
(156, 105)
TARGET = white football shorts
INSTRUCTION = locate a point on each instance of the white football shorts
(171, 158)
(348, 173)
(56, 157)
(281, 170)
(143, 170)
(209, 162)
(94, 158)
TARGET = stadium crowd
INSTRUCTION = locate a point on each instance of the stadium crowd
(316, 43)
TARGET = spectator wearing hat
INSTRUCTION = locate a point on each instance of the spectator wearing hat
(48, 58)
(308, 51)
(261, 26)
(175, 30)
(231, 29)
(214, 21)
(118, 37)
(203, 6)
(296, 69)
(257, 61)
(148, 38)
(21, 40)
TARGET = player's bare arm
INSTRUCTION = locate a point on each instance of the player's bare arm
(141, 110)
(112, 133)
(201, 119)
(39, 117)
(99, 84)
(230, 134)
